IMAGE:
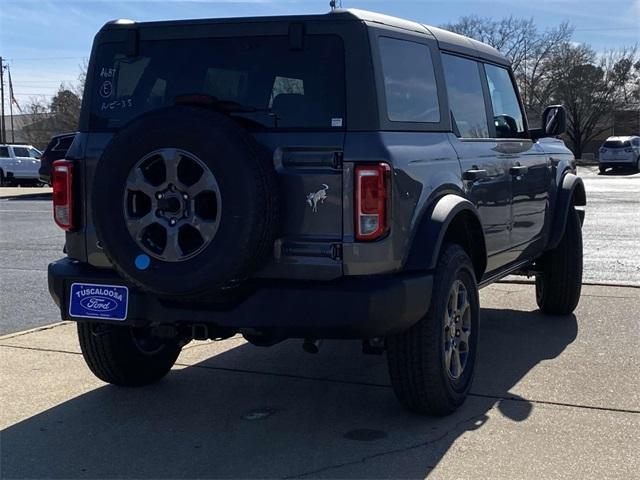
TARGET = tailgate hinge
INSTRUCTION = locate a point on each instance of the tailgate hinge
(337, 160)
(336, 251)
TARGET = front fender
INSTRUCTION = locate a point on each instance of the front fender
(571, 193)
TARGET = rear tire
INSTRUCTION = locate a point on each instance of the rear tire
(4, 181)
(126, 356)
(425, 376)
(559, 283)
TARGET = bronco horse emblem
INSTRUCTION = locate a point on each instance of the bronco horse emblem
(319, 196)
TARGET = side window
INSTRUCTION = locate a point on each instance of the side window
(506, 109)
(636, 142)
(409, 81)
(21, 152)
(466, 99)
(4, 152)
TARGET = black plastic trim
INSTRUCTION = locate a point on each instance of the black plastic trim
(351, 307)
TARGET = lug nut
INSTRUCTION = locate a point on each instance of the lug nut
(172, 221)
(159, 196)
(185, 196)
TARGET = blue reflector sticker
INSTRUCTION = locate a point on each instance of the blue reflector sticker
(88, 300)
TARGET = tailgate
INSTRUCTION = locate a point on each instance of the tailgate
(311, 189)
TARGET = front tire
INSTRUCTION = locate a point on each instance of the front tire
(602, 169)
(432, 364)
(559, 281)
(126, 356)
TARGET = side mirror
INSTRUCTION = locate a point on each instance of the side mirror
(554, 122)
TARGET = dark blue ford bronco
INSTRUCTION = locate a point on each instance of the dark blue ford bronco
(347, 175)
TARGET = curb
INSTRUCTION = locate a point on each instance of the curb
(27, 196)
(33, 330)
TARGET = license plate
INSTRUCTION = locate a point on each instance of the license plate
(89, 300)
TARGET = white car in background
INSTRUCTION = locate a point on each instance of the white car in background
(19, 164)
(620, 152)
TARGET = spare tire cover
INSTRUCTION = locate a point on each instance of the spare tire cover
(185, 202)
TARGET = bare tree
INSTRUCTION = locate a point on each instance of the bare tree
(528, 49)
(37, 131)
(591, 87)
(48, 119)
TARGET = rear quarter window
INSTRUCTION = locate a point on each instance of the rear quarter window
(409, 81)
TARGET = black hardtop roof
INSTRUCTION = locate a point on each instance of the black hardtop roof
(446, 40)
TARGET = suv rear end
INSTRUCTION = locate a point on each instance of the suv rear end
(303, 88)
(620, 152)
(56, 150)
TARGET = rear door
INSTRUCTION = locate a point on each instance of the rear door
(283, 83)
(486, 175)
(24, 165)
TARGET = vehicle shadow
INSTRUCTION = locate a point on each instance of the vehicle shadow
(618, 172)
(251, 412)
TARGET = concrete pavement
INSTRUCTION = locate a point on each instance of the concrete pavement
(553, 398)
(12, 192)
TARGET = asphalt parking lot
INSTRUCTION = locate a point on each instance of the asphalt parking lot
(553, 397)
(29, 240)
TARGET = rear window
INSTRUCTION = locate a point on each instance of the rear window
(63, 144)
(617, 143)
(260, 80)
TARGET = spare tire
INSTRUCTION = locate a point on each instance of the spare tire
(185, 202)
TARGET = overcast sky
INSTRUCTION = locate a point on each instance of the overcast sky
(45, 41)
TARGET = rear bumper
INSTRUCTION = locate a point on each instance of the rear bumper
(618, 162)
(352, 307)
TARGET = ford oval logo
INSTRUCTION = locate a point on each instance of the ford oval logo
(99, 304)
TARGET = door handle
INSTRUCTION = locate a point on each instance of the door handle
(518, 170)
(474, 174)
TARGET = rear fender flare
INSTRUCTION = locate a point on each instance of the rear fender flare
(433, 228)
(571, 193)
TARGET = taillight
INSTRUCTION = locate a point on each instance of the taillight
(62, 181)
(372, 195)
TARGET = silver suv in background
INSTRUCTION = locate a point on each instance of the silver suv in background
(620, 152)
(19, 164)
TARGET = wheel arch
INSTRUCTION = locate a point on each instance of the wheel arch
(570, 194)
(450, 219)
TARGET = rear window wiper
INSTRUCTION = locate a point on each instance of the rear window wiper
(227, 106)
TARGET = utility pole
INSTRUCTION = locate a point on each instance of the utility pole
(3, 132)
(13, 137)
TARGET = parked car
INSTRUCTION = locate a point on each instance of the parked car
(620, 152)
(348, 175)
(56, 149)
(19, 164)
